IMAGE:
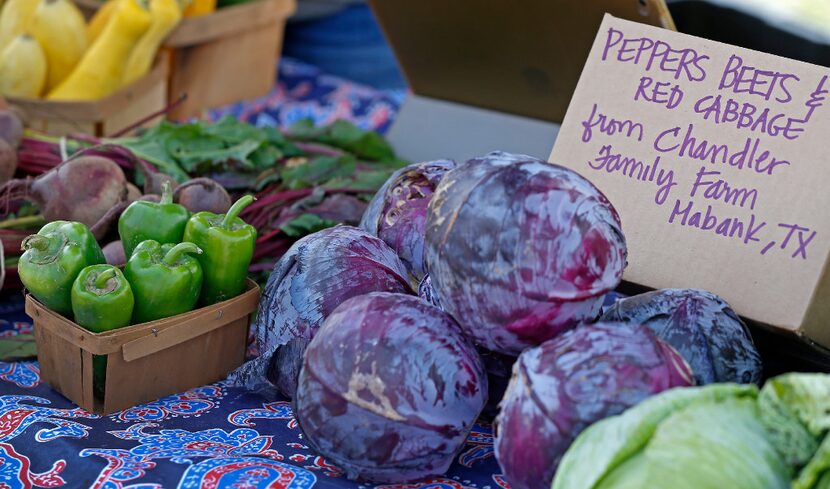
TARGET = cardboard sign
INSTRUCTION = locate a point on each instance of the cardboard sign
(718, 161)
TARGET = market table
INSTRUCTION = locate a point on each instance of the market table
(213, 436)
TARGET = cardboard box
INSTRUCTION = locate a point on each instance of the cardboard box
(717, 161)
(144, 361)
(226, 57)
(492, 75)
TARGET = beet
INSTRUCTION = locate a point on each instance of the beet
(572, 381)
(82, 189)
(109, 221)
(151, 198)
(317, 274)
(114, 253)
(699, 325)
(154, 181)
(133, 192)
(398, 211)
(343, 208)
(8, 161)
(520, 250)
(203, 194)
(11, 128)
(389, 389)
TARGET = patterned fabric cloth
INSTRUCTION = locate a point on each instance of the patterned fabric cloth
(304, 92)
(211, 437)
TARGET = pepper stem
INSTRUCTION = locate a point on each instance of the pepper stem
(177, 251)
(104, 277)
(36, 241)
(235, 209)
(166, 193)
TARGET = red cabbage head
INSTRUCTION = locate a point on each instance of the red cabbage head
(566, 384)
(699, 325)
(519, 250)
(397, 213)
(317, 274)
(427, 293)
(389, 389)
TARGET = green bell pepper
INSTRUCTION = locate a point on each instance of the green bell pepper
(101, 300)
(142, 220)
(53, 258)
(228, 245)
(165, 279)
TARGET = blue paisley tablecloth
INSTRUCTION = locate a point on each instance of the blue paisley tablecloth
(213, 436)
(304, 92)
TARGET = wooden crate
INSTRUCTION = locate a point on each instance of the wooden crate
(144, 361)
(221, 58)
(102, 117)
(226, 57)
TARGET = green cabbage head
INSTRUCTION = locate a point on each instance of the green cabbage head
(712, 437)
(707, 437)
(795, 409)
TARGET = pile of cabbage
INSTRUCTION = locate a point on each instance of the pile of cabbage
(475, 291)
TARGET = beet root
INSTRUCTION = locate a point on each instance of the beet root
(8, 161)
(11, 128)
(114, 253)
(109, 221)
(82, 189)
(154, 181)
(133, 193)
(203, 194)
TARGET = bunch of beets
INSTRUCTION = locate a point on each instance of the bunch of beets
(476, 290)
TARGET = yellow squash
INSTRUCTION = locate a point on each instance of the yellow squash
(14, 19)
(166, 16)
(101, 70)
(60, 28)
(22, 68)
(200, 7)
(99, 20)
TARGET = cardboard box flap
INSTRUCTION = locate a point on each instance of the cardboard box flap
(189, 327)
(520, 58)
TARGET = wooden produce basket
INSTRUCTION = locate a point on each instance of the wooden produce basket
(227, 56)
(102, 117)
(144, 361)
